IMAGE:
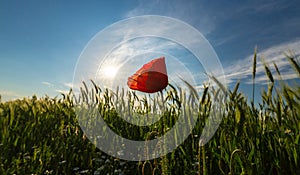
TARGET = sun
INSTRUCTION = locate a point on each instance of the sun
(110, 71)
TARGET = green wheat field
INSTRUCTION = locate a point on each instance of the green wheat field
(43, 135)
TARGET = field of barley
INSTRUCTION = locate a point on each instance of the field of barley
(43, 135)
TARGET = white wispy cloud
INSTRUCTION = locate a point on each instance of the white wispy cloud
(65, 87)
(266, 7)
(68, 84)
(62, 91)
(9, 95)
(192, 12)
(47, 83)
(139, 40)
(242, 69)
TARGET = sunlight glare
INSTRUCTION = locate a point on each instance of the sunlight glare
(110, 71)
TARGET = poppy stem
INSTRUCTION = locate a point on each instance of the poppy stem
(162, 101)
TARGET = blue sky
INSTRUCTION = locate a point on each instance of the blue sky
(40, 41)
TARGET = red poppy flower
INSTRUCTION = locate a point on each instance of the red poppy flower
(152, 77)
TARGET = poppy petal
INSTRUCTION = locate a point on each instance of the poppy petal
(151, 77)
